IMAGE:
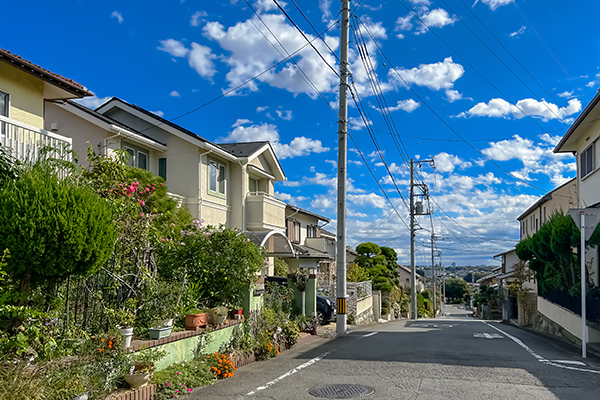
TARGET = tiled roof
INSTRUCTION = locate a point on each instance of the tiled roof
(308, 252)
(33, 69)
(242, 149)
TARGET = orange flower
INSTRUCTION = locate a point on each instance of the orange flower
(102, 340)
(100, 350)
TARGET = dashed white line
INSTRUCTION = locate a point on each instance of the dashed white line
(289, 373)
(370, 334)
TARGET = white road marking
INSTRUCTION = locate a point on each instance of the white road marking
(569, 362)
(488, 335)
(289, 373)
(537, 356)
(370, 334)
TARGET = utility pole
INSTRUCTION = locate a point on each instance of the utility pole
(433, 273)
(342, 302)
(415, 211)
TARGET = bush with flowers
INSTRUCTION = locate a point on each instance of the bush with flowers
(221, 365)
(179, 379)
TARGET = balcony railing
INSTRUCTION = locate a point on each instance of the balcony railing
(25, 141)
(264, 212)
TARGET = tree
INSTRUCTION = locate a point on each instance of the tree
(375, 261)
(53, 227)
(456, 289)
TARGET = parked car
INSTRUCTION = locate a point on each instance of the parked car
(325, 308)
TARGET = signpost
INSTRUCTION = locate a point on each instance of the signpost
(586, 220)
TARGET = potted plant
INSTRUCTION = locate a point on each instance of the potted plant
(122, 319)
(142, 366)
(195, 318)
(222, 312)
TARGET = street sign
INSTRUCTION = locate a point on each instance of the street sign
(592, 216)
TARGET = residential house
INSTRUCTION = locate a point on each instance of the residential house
(24, 88)
(560, 199)
(404, 278)
(582, 140)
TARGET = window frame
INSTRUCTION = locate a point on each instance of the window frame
(135, 163)
(217, 186)
(587, 160)
(162, 167)
(6, 111)
(251, 179)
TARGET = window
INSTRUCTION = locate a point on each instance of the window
(162, 168)
(293, 230)
(252, 185)
(313, 231)
(3, 111)
(587, 160)
(136, 157)
(544, 213)
(216, 177)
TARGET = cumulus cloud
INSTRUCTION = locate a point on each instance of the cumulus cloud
(404, 23)
(436, 76)
(200, 59)
(118, 16)
(324, 6)
(322, 203)
(248, 54)
(241, 122)
(284, 115)
(437, 18)
(407, 105)
(369, 200)
(299, 146)
(261, 109)
(445, 162)
(543, 110)
(174, 93)
(493, 4)
(454, 95)
(515, 148)
(566, 94)
(173, 47)
(197, 17)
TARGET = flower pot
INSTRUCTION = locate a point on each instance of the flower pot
(137, 380)
(159, 333)
(193, 322)
(127, 334)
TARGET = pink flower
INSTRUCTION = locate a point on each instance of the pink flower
(189, 390)
(162, 240)
(248, 240)
(142, 214)
(146, 190)
(167, 384)
(176, 390)
(142, 203)
(162, 184)
(181, 243)
(120, 184)
(128, 194)
(177, 373)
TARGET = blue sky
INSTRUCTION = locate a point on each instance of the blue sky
(486, 88)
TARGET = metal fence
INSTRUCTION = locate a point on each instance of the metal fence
(564, 299)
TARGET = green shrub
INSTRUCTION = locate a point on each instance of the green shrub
(180, 378)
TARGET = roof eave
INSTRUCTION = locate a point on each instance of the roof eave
(576, 124)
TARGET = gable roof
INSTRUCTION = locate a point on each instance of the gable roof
(244, 149)
(55, 79)
(303, 211)
(542, 200)
(562, 147)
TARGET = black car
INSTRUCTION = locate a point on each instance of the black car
(325, 308)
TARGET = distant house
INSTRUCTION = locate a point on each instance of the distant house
(404, 278)
(560, 199)
(24, 89)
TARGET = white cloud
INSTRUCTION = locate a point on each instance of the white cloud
(159, 113)
(519, 32)
(173, 47)
(566, 94)
(594, 82)
(200, 59)
(437, 18)
(332, 162)
(174, 93)
(196, 17)
(493, 4)
(420, 2)
(118, 16)
(267, 5)
(543, 110)
(93, 101)
(261, 109)
(371, 200)
(445, 162)
(241, 122)
(404, 23)
(248, 54)
(516, 148)
(284, 115)
(407, 105)
(454, 95)
(299, 146)
(322, 202)
(283, 196)
(291, 183)
(441, 75)
(357, 124)
(324, 7)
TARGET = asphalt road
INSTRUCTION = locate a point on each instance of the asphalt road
(450, 357)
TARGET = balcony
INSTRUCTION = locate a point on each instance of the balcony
(25, 141)
(264, 212)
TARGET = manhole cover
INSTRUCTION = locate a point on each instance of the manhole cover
(341, 391)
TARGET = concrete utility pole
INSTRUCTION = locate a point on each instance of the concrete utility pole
(433, 272)
(342, 302)
(413, 212)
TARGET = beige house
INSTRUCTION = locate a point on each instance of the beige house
(560, 199)
(24, 89)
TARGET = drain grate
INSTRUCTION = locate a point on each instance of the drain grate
(341, 391)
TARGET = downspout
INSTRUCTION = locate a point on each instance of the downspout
(244, 193)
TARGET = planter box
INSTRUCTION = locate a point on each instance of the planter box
(193, 322)
(159, 333)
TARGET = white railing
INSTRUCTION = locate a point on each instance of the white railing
(363, 289)
(25, 141)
